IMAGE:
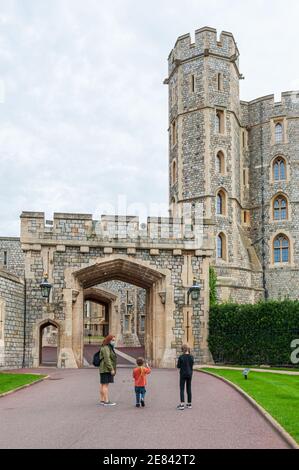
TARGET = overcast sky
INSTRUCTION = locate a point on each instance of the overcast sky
(83, 108)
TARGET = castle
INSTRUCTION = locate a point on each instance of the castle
(241, 160)
(237, 160)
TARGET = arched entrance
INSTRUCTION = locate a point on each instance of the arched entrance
(99, 306)
(48, 343)
(159, 303)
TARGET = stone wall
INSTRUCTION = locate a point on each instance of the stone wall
(11, 320)
(282, 279)
(14, 254)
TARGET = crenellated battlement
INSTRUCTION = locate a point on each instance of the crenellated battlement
(265, 107)
(81, 228)
(206, 42)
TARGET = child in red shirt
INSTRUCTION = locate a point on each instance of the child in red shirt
(139, 375)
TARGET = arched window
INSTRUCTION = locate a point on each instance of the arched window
(280, 208)
(281, 247)
(221, 203)
(279, 169)
(221, 246)
(278, 132)
(220, 165)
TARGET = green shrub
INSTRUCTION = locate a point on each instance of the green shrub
(253, 334)
(213, 290)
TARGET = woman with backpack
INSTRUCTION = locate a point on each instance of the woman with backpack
(108, 361)
(185, 364)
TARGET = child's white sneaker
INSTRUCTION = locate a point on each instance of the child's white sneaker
(181, 407)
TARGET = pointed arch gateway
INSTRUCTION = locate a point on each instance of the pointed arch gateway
(159, 293)
(48, 350)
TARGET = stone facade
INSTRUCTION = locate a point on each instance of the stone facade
(208, 120)
(11, 320)
(81, 255)
(11, 256)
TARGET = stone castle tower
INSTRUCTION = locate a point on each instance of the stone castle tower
(241, 161)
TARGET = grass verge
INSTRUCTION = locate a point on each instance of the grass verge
(9, 382)
(278, 394)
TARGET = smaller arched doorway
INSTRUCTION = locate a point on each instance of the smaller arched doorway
(48, 344)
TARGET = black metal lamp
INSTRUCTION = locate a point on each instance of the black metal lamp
(194, 291)
(46, 288)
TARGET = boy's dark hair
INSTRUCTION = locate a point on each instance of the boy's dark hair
(185, 349)
(140, 361)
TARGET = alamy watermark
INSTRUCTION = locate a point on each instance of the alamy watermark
(295, 353)
(183, 221)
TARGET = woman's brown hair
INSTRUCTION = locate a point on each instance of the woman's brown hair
(107, 340)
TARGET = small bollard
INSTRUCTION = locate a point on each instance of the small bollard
(62, 362)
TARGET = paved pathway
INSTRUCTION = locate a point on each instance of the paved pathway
(63, 413)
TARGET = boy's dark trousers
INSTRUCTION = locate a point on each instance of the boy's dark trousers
(140, 394)
(187, 381)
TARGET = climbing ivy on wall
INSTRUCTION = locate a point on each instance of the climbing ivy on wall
(213, 290)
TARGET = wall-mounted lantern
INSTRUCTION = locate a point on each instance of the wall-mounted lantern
(194, 291)
(46, 288)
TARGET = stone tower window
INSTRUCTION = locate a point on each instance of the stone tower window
(174, 172)
(173, 133)
(220, 163)
(192, 83)
(219, 121)
(278, 133)
(246, 217)
(280, 208)
(221, 246)
(5, 259)
(281, 247)
(221, 203)
(219, 81)
(279, 169)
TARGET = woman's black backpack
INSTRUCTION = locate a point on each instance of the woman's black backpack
(96, 359)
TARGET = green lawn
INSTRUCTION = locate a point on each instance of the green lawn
(276, 393)
(289, 369)
(10, 382)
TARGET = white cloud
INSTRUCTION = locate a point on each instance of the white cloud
(85, 113)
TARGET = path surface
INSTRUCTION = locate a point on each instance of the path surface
(62, 413)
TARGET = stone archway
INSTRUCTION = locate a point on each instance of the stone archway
(160, 305)
(108, 300)
(53, 357)
(79, 253)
